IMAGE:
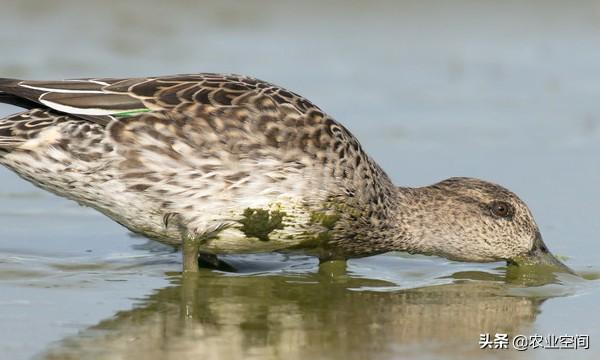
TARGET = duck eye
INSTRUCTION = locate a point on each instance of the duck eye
(502, 209)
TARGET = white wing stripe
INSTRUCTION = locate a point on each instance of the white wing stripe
(64, 91)
(74, 110)
(99, 82)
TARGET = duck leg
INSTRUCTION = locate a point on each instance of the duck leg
(191, 250)
(194, 259)
(190, 242)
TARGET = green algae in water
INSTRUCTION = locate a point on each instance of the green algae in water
(589, 275)
(259, 223)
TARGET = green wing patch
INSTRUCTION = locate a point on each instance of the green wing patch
(130, 113)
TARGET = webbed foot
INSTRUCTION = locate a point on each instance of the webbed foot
(212, 261)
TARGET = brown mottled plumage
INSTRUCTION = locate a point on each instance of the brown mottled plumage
(229, 163)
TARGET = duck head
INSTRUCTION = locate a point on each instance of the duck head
(473, 220)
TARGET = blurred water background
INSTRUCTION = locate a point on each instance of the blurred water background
(505, 91)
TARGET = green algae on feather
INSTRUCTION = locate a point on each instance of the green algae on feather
(326, 220)
(259, 223)
(318, 239)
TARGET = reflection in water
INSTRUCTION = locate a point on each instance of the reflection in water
(298, 316)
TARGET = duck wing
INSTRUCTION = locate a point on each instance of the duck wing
(84, 98)
(102, 100)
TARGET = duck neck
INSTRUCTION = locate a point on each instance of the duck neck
(414, 218)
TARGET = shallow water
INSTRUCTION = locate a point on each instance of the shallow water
(505, 92)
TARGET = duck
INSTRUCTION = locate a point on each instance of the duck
(221, 163)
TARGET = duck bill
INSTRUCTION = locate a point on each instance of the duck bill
(539, 255)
